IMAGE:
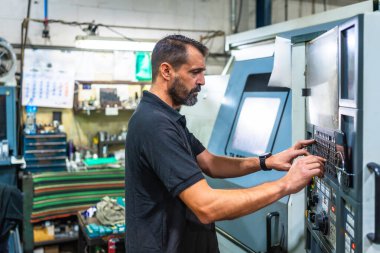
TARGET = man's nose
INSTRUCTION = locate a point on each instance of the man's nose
(201, 79)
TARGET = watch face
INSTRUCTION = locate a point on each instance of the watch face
(265, 155)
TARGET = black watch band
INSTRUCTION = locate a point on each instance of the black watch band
(262, 159)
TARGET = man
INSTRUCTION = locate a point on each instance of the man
(169, 205)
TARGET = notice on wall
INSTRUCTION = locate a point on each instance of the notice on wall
(124, 65)
(48, 78)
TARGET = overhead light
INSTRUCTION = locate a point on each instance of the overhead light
(107, 43)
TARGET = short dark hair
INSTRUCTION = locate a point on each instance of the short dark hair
(172, 49)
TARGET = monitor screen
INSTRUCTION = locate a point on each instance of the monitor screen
(257, 122)
(3, 118)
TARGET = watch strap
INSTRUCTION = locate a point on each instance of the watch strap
(262, 159)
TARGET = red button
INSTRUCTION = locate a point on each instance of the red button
(353, 246)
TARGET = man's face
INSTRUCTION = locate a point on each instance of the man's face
(180, 93)
(188, 79)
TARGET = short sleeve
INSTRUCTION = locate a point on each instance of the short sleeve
(196, 146)
(171, 159)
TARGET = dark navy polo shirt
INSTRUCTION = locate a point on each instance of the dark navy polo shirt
(160, 164)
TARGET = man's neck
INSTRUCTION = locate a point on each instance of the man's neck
(161, 91)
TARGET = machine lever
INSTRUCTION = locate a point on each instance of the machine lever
(375, 237)
(270, 248)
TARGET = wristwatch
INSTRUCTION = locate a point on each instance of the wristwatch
(262, 159)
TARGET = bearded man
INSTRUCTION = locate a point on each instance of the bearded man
(169, 205)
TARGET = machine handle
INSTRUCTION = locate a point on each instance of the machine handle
(375, 237)
(269, 229)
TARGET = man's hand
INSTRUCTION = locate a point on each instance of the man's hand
(301, 172)
(283, 160)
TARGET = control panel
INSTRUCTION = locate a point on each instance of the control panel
(321, 212)
(332, 146)
(330, 211)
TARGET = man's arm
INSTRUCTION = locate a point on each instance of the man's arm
(210, 205)
(227, 167)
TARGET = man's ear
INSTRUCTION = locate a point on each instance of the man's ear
(166, 70)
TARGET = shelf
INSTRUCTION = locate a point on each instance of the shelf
(45, 136)
(95, 96)
(111, 142)
(47, 158)
(115, 82)
(46, 143)
(45, 152)
(99, 110)
(56, 241)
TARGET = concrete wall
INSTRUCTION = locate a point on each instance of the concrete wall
(172, 14)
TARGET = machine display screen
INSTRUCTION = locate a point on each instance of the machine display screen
(257, 122)
(3, 118)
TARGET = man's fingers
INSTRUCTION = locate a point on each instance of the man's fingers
(299, 152)
(316, 164)
(316, 172)
(313, 159)
(303, 143)
(316, 168)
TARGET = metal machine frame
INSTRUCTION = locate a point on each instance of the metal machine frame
(299, 31)
(10, 97)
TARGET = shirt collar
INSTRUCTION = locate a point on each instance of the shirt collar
(155, 100)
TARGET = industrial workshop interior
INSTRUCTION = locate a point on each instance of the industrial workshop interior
(276, 73)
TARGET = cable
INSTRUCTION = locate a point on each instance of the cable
(286, 10)
(210, 36)
(92, 26)
(24, 38)
(45, 31)
(282, 239)
(300, 9)
(74, 23)
(118, 33)
(238, 17)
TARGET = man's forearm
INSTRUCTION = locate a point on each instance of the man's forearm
(217, 204)
(226, 167)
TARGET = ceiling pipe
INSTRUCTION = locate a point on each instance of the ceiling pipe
(45, 32)
(233, 16)
(263, 13)
(286, 9)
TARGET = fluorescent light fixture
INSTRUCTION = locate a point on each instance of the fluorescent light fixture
(107, 43)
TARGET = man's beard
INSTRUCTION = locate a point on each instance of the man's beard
(181, 96)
